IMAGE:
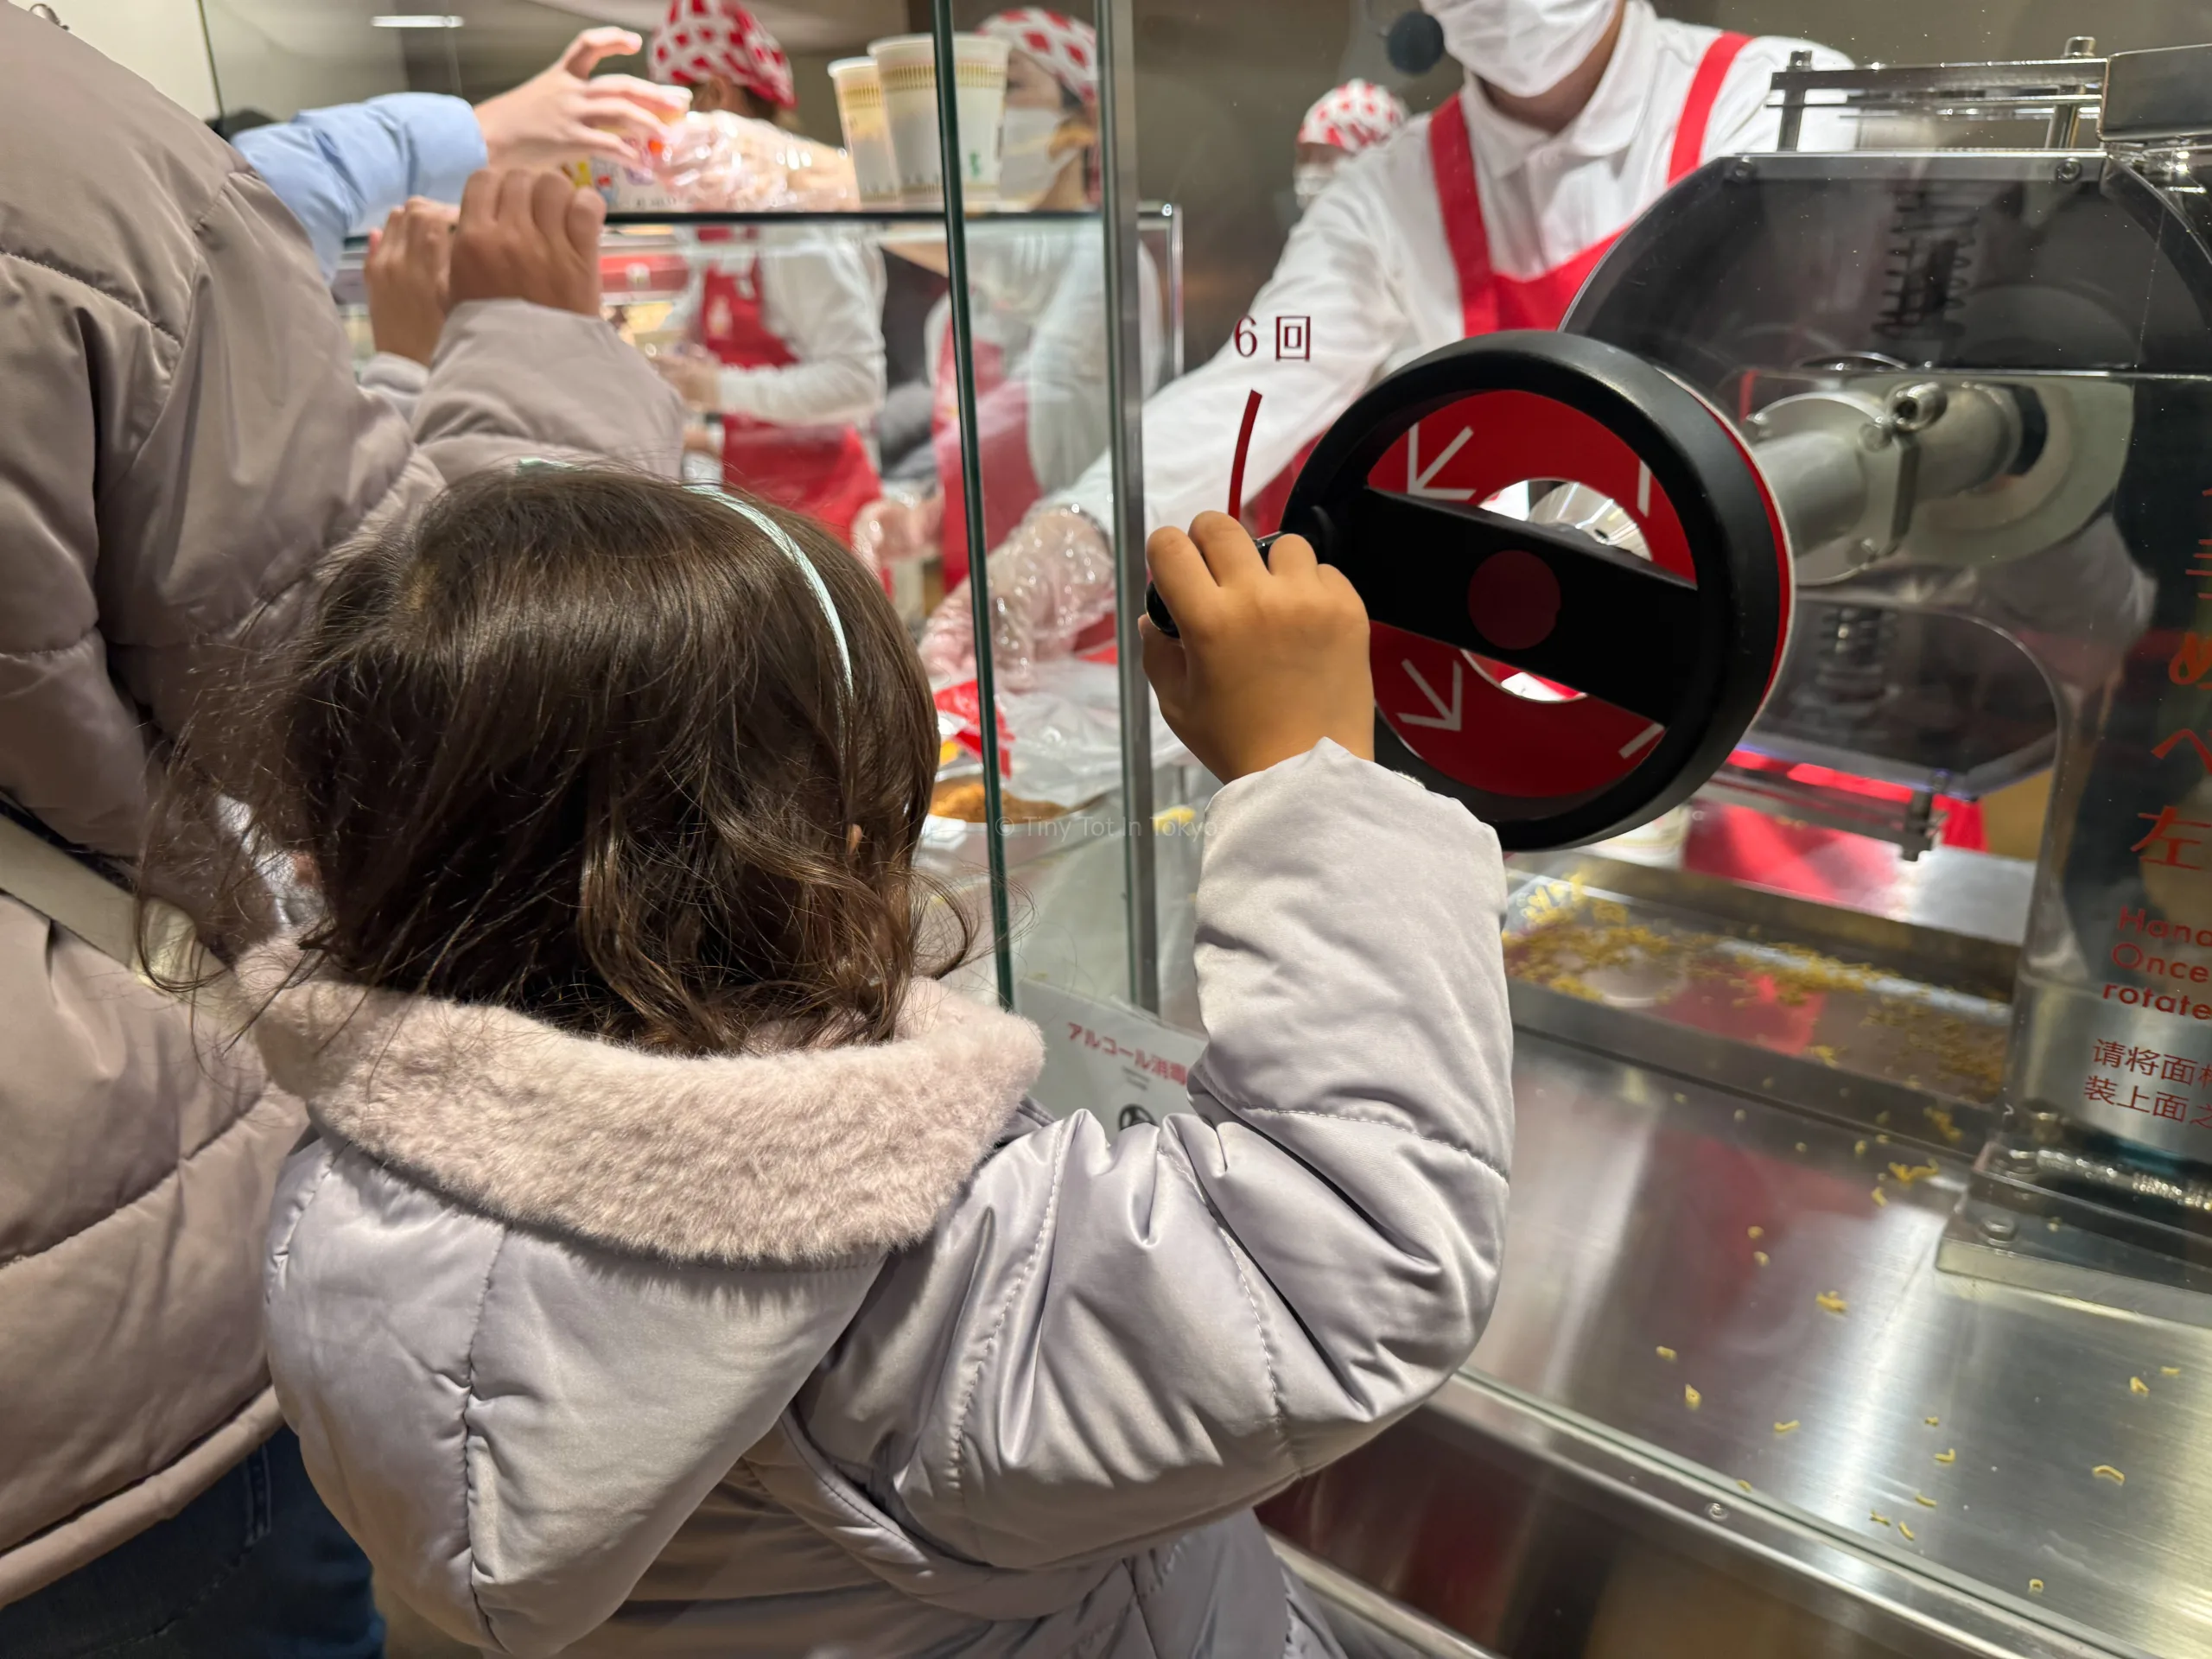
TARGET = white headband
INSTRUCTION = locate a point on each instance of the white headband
(781, 537)
(774, 531)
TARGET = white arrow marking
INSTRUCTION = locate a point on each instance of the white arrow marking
(1641, 739)
(1444, 719)
(1417, 476)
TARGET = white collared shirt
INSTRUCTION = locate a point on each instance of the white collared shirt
(822, 294)
(1039, 298)
(1368, 268)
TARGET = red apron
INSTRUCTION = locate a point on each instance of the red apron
(1488, 302)
(1010, 485)
(823, 471)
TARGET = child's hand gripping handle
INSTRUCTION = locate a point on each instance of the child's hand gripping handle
(1271, 655)
(1156, 607)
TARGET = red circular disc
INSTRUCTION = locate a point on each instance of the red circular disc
(1445, 704)
(1551, 764)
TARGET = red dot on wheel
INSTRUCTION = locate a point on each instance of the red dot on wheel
(1513, 598)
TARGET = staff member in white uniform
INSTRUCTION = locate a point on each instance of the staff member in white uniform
(1343, 122)
(1486, 214)
(788, 345)
(1039, 298)
(1038, 310)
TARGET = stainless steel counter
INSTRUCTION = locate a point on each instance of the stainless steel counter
(1957, 892)
(1570, 1496)
(1744, 1274)
(1635, 1198)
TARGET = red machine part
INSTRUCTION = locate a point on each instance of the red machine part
(1469, 715)
(1565, 684)
(1560, 687)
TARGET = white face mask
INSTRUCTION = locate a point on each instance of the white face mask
(1028, 167)
(1522, 47)
(1309, 179)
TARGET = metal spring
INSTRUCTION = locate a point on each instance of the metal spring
(1931, 265)
(1851, 661)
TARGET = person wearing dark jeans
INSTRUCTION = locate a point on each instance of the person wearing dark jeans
(254, 1566)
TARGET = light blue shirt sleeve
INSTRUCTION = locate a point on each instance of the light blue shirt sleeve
(340, 170)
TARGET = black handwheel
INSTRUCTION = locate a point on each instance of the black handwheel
(1565, 689)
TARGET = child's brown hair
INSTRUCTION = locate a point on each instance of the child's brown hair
(588, 745)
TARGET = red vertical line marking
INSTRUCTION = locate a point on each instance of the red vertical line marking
(1243, 443)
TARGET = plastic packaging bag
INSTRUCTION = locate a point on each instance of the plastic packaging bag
(1066, 733)
(1060, 741)
(1051, 581)
(720, 163)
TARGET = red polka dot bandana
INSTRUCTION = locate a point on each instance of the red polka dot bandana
(1065, 48)
(700, 38)
(1355, 116)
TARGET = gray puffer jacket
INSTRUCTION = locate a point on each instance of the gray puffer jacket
(180, 445)
(849, 1351)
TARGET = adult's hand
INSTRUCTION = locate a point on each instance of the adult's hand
(696, 373)
(406, 272)
(894, 527)
(563, 114)
(1051, 581)
(527, 234)
(1273, 653)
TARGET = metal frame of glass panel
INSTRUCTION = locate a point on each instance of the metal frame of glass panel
(1125, 396)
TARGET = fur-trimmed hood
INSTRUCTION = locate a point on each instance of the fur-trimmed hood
(802, 1156)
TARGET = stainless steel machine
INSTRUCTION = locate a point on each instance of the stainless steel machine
(1857, 1297)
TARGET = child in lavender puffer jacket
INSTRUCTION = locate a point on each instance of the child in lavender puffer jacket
(680, 1269)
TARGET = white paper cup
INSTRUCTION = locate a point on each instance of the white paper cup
(868, 131)
(980, 83)
(906, 68)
